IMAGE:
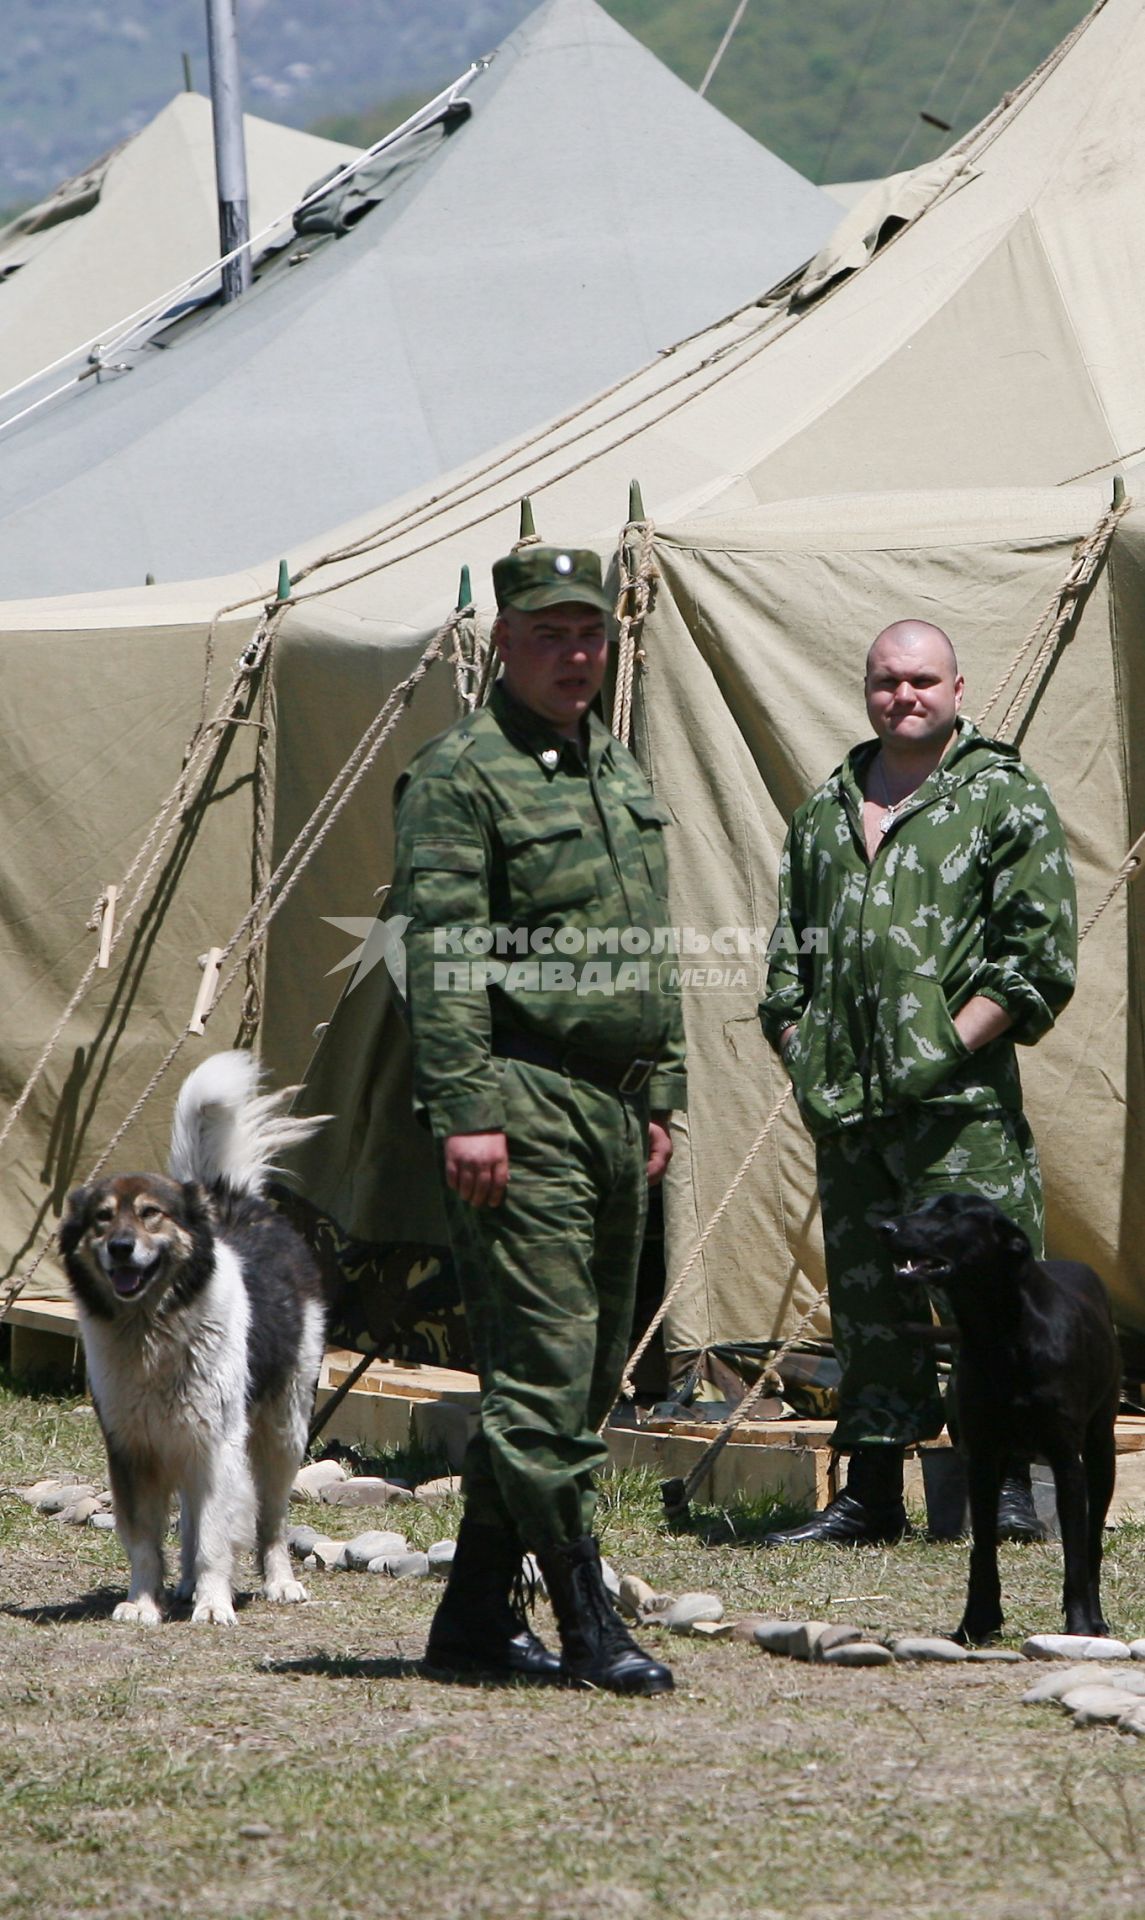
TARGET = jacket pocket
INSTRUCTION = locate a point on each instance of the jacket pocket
(549, 865)
(447, 880)
(917, 1047)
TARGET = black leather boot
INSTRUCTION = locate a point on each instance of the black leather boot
(480, 1624)
(869, 1511)
(597, 1649)
(1017, 1516)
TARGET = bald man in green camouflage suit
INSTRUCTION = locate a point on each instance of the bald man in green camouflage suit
(927, 925)
(548, 1055)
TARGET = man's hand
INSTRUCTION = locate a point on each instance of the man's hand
(477, 1167)
(980, 1021)
(659, 1147)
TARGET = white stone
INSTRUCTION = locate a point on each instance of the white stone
(309, 1481)
(363, 1491)
(300, 1540)
(432, 1492)
(372, 1545)
(838, 1635)
(998, 1656)
(610, 1577)
(1133, 1719)
(440, 1555)
(78, 1512)
(1093, 1706)
(1137, 1649)
(104, 1521)
(42, 1488)
(922, 1646)
(777, 1636)
(712, 1629)
(1073, 1646)
(806, 1638)
(59, 1498)
(1052, 1686)
(401, 1566)
(690, 1608)
(635, 1597)
(327, 1554)
(858, 1653)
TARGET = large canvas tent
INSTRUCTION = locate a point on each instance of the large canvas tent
(752, 686)
(135, 225)
(574, 210)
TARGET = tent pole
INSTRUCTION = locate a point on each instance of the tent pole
(230, 151)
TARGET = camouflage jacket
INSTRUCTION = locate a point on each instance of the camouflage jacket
(970, 892)
(533, 879)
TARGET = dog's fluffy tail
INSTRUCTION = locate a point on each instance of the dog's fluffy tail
(226, 1133)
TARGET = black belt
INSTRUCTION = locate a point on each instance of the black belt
(626, 1080)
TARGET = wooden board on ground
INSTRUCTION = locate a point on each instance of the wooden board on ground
(397, 1405)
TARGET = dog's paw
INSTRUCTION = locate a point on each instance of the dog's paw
(137, 1613)
(285, 1592)
(213, 1610)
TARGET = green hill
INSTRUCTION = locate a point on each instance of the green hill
(836, 87)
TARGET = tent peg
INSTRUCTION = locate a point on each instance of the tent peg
(464, 590)
(528, 529)
(1118, 490)
(149, 579)
(188, 86)
(635, 502)
(208, 987)
(283, 581)
(106, 926)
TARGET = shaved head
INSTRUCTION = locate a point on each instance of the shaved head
(910, 635)
(913, 691)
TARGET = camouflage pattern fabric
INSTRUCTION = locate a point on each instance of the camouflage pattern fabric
(504, 829)
(549, 1280)
(889, 1386)
(971, 892)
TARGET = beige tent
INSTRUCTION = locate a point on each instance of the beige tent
(137, 224)
(986, 347)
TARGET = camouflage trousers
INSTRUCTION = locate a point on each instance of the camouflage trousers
(548, 1280)
(889, 1388)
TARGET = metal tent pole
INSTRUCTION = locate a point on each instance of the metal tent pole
(230, 151)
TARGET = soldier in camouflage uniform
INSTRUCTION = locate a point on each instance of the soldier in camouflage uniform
(926, 924)
(547, 1058)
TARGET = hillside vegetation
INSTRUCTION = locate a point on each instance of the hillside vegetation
(836, 88)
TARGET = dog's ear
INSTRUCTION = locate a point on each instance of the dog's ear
(71, 1228)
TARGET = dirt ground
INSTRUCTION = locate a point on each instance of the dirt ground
(301, 1763)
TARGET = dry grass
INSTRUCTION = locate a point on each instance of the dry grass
(300, 1763)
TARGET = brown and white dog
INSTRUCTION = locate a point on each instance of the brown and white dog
(202, 1321)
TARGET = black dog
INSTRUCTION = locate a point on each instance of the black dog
(1039, 1373)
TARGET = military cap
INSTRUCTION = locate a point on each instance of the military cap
(535, 577)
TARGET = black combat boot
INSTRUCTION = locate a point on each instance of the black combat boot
(480, 1624)
(1017, 1517)
(597, 1649)
(869, 1512)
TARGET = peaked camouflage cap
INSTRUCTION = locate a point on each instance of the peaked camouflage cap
(534, 577)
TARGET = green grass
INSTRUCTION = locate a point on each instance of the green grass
(301, 1763)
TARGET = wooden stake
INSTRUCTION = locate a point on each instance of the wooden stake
(107, 927)
(208, 985)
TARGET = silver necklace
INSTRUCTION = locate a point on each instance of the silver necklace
(894, 807)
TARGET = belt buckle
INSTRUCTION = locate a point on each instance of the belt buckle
(636, 1076)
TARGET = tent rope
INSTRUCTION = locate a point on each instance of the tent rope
(270, 896)
(635, 599)
(627, 1390)
(1063, 605)
(171, 814)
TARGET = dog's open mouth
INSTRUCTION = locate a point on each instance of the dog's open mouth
(923, 1270)
(129, 1279)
